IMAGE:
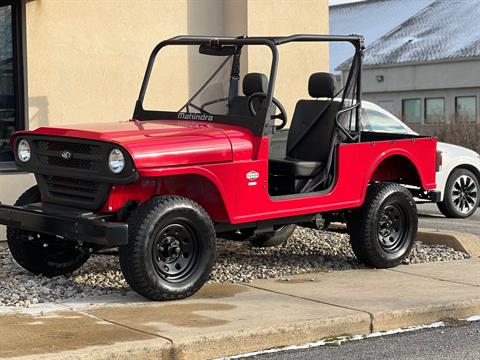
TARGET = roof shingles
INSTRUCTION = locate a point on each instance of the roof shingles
(445, 29)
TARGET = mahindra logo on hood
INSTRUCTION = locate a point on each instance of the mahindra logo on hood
(190, 116)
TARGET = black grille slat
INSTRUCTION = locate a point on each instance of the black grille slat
(71, 163)
(72, 191)
(68, 195)
(70, 183)
(55, 146)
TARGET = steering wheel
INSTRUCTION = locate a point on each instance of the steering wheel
(282, 116)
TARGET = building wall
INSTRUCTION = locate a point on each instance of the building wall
(86, 59)
(444, 79)
(392, 101)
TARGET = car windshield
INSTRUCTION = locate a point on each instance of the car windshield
(379, 122)
(199, 81)
(235, 81)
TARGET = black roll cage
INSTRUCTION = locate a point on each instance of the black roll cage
(259, 125)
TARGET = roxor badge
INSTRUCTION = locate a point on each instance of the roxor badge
(252, 175)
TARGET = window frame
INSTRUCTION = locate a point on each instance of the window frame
(425, 110)
(420, 112)
(17, 12)
(476, 107)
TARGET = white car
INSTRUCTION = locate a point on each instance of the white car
(459, 176)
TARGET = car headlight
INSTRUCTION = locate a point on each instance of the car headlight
(23, 151)
(116, 161)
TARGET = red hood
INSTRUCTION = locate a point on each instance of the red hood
(155, 143)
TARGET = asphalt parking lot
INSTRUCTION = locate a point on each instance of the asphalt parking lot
(454, 343)
(429, 217)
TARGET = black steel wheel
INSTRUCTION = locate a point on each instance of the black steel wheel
(383, 229)
(171, 249)
(461, 197)
(41, 253)
(175, 251)
(392, 228)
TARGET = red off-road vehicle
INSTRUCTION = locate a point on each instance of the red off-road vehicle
(162, 186)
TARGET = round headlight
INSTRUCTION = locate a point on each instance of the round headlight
(116, 161)
(23, 150)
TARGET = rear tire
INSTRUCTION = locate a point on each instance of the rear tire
(171, 248)
(383, 229)
(461, 197)
(275, 238)
(41, 253)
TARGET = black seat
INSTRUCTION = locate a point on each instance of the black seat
(252, 83)
(311, 132)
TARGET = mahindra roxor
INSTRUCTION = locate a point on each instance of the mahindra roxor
(164, 185)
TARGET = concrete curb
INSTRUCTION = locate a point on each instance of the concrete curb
(465, 242)
(250, 340)
(383, 321)
(132, 350)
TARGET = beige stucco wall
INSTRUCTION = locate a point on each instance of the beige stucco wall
(296, 60)
(86, 59)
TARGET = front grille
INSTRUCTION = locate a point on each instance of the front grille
(73, 171)
(73, 192)
(53, 145)
(56, 161)
(83, 156)
(68, 188)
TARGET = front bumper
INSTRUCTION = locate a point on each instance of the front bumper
(71, 224)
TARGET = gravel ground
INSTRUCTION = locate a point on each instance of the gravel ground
(307, 251)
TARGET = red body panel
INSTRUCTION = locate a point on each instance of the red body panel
(222, 155)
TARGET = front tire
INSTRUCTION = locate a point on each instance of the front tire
(41, 253)
(383, 229)
(461, 196)
(171, 248)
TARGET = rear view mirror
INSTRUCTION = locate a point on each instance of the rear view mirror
(217, 50)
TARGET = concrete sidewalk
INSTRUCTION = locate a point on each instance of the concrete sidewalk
(231, 319)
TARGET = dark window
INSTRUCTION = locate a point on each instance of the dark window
(434, 110)
(11, 76)
(411, 111)
(466, 108)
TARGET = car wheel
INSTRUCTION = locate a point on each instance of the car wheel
(461, 197)
(41, 253)
(383, 229)
(275, 238)
(171, 248)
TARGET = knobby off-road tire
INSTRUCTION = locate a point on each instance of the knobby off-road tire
(274, 238)
(383, 229)
(461, 197)
(171, 248)
(41, 253)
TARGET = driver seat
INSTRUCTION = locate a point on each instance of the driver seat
(311, 132)
(252, 83)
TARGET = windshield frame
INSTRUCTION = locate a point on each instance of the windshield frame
(258, 124)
